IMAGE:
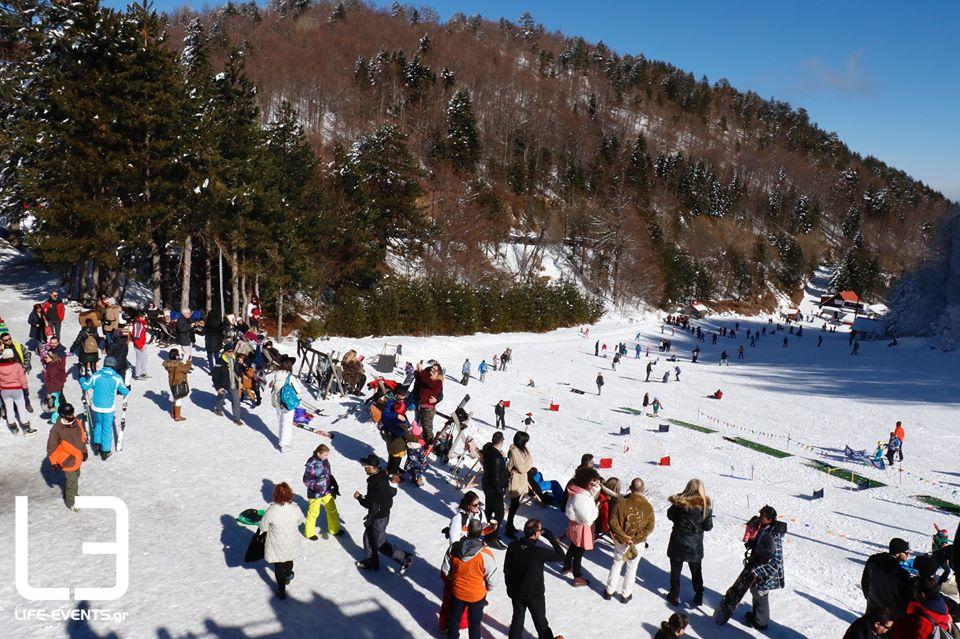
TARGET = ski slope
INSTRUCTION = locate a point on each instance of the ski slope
(185, 482)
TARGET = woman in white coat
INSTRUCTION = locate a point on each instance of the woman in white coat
(281, 522)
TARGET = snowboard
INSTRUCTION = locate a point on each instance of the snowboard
(250, 517)
(731, 599)
(457, 416)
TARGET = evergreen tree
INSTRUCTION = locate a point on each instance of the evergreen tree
(860, 270)
(463, 139)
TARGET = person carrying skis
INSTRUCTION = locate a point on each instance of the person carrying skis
(177, 372)
(13, 387)
(53, 314)
(67, 450)
(631, 523)
(322, 490)
(765, 563)
(87, 348)
(378, 501)
(106, 384)
(523, 577)
(599, 383)
(469, 566)
(139, 336)
(466, 372)
(482, 369)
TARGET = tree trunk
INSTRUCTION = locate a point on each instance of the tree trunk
(256, 286)
(208, 291)
(243, 297)
(220, 263)
(187, 266)
(234, 284)
(280, 317)
(95, 280)
(155, 273)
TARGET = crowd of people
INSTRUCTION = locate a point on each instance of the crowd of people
(903, 599)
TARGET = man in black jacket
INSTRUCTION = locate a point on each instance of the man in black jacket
(873, 625)
(885, 583)
(184, 333)
(213, 336)
(500, 411)
(523, 574)
(378, 501)
(495, 477)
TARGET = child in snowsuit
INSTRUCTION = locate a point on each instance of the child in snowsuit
(322, 489)
(656, 405)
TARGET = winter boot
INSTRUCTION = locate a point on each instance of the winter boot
(698, 599)
(27, 430)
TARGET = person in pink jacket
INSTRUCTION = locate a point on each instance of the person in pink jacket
(13, 383)
(582, 511)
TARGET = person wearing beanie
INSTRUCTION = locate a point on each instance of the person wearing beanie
(13, 387)
(885, 583)
(67, 450)
(177, 372)
(378, 501)
(105, 384)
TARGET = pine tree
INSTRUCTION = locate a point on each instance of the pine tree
(463, 139)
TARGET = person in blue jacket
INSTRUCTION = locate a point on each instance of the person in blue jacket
(482, 369)
(105, 384)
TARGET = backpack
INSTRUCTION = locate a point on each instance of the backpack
(90, 345)
(288, 395)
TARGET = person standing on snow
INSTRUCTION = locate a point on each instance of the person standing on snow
(53, 314)
(666, 376)
(599, 383)
(500, 412)
(13, 386)
(87, 349)
(119, 350)
(139, 335)
(519, 463)
(616, 360)
(901, 435)
(212, 337)
(427, 390)
(38, 326)
(656, 406)
(281, 522)
(893, 447)
(482, 369)
(523, 576)
(766, 565)
(177, 372)
(184, 334)
(286, 399)
(692, 514)
(23, 356)
(631, 523)
(466, 372)
(596, 349)
(54, 379)
(109, 320)
(469, 566)
(67, 450)
(649, 370)
(495, 477)
(226, 380)
(322, 490)
(378, 501)
(581, 511)
(106, 384)
(885, 583)
(724, 359)
(676, 370)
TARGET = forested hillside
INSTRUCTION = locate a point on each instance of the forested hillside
(318, 145)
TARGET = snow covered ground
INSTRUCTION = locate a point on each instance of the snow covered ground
(184, 484)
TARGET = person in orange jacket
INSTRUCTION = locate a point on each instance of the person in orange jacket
(469, 566)
(67, 450)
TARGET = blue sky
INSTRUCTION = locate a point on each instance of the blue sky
(883, 74)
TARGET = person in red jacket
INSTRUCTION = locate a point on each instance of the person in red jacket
(139, 335)
(54, 378)
(927, 612)
(53, 313)
(428, 389)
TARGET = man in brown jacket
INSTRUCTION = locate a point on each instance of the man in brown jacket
(67, 450)
(630, 523)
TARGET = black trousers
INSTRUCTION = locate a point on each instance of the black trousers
(538, 612)
(393, 464)
(514, 507)
(573, 559)
(283, 570)
(501, 423)
(474, 617)
(696, 575)
(493, 506)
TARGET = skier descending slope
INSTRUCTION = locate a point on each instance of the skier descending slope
(105, 384)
